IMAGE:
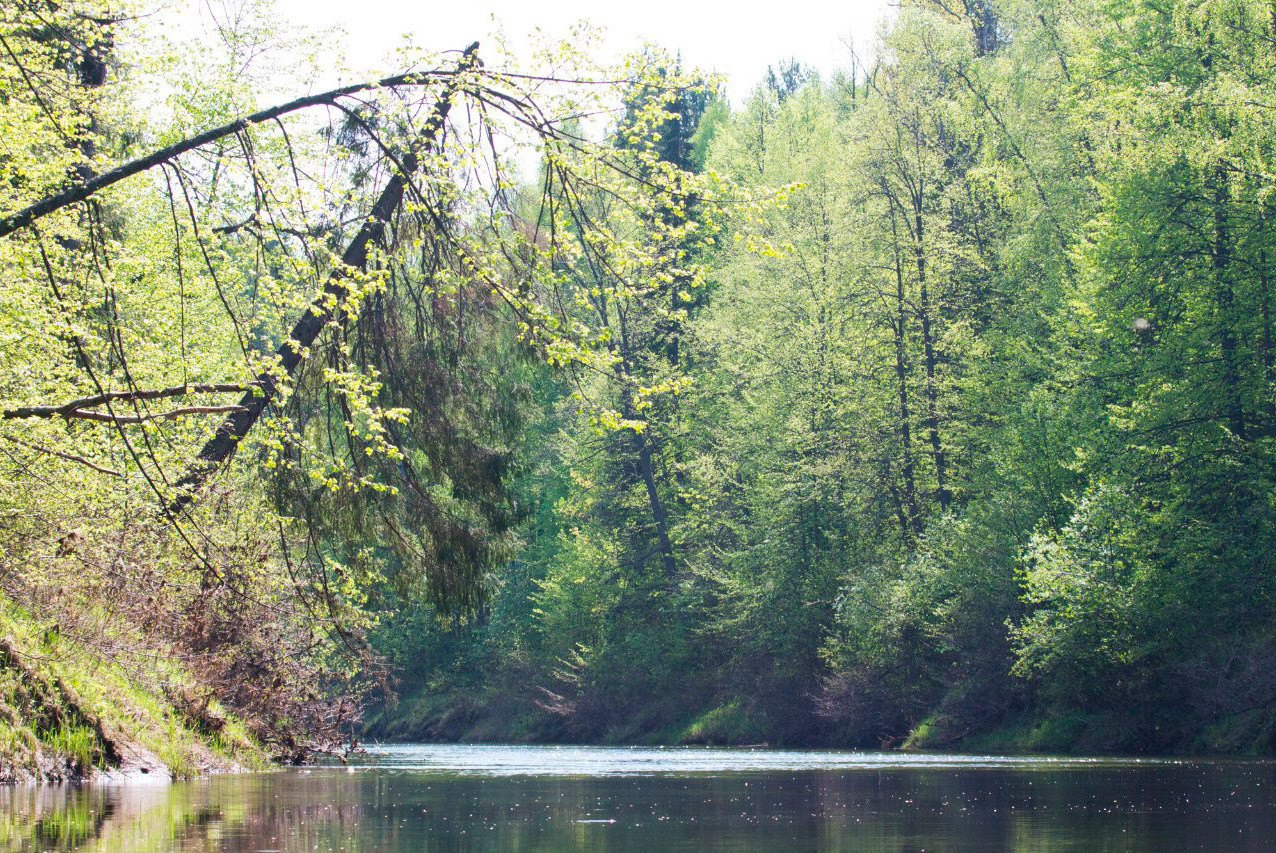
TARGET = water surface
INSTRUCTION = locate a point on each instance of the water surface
(432, 798)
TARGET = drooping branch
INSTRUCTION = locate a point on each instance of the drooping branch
(72, 407)
(172, 414)
(70, 457)
(237, 425)
(82, 192)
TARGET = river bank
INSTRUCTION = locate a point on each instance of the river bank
(68, 713)
(455, 717)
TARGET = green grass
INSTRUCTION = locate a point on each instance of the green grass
(78, 744)
(1068, 733)
(55, 698)
(728, 724)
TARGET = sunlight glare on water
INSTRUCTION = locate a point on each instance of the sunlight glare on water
(491, 760)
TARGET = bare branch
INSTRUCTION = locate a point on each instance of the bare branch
(83, 191)
(71, 407)
(172, 414)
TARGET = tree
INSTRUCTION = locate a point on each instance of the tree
(158, 280)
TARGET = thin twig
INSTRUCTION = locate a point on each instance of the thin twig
(70, 457)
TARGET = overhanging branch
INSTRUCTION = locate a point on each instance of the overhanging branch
(171, 414)
(72, 407)
(70, 457)
(82, 192)
(237, 425)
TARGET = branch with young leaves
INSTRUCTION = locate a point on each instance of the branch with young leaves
(420, 194)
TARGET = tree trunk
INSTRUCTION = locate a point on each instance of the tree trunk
(984, 21)
(658, 514)
(1222, 255)
(898, 327)
(646, 470)
(928, 343)
(1269, 362)
(222, 445)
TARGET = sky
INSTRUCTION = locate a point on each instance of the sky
(736, 39)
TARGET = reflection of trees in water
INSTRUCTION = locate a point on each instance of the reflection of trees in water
(67, 817)
(134, 817)
(227, 813)
(284, 811)
(52, 818)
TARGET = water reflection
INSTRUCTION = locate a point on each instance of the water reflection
(442, 799)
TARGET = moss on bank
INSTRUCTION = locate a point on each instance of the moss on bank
(729, 724)
(1058, 734)
(66, 712)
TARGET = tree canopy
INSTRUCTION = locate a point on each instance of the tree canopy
(931, 403)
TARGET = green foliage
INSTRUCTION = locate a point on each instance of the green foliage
(380, 292)
(931, 404)
(973, 443)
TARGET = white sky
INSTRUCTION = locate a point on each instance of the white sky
(736, 39)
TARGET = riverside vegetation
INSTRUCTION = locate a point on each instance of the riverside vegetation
(929, 405)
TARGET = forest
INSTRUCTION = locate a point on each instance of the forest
(927, 404)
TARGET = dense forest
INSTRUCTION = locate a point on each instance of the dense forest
(972, 438)
(932, 404)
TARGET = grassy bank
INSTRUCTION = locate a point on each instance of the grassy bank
(1251, 733)
(68, 713)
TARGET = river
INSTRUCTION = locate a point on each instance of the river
(451, 798)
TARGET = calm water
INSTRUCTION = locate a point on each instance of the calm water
(431, 799)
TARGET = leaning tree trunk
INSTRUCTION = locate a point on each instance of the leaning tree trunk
(237, 425)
